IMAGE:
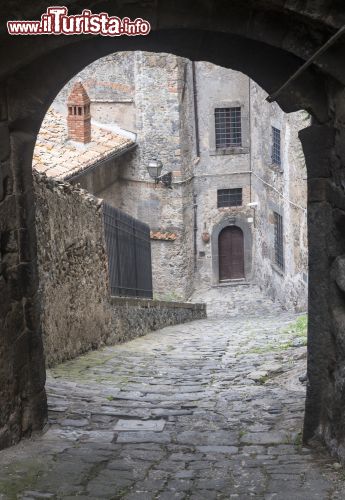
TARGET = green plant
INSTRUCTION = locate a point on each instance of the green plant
(298, 442)
(299, 327)
(242, 433)
(168, 297)
(262, 380)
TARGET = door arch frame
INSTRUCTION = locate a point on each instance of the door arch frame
(222, 232)
(241, 222)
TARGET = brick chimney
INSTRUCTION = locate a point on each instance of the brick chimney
(79, 118)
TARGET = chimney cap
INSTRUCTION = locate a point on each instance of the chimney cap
(78, 95)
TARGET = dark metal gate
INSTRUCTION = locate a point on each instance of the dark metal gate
(129, 254)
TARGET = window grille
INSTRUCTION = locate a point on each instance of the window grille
(228, 127)
(229, 197)
(278, 240)
(276, 157)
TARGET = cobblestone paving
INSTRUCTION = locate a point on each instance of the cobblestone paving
(210, 409)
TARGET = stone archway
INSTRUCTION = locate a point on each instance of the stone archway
(267, 42)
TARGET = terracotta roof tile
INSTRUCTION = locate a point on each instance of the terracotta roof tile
(165, 236)
(58, 157)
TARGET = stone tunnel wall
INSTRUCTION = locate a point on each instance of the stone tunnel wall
(78, 313)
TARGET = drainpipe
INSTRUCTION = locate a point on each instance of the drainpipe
(250, 143)
(195, 207)
(196, 115)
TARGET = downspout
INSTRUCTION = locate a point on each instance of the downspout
(197, 152)
(250, 143)
(196, 115)
(195, 210)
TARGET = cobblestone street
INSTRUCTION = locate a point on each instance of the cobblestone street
(209, 409)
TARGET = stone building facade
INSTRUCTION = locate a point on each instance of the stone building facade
(263, 188)
(233, 214)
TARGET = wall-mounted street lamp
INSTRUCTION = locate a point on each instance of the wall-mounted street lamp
(154, 169)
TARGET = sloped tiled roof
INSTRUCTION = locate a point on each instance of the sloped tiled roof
(58, 157)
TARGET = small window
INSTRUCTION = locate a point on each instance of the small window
(276, 157)
(228, 127)
(229, 197)
(278, 240)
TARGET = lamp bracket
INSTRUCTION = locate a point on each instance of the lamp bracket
(166, 179)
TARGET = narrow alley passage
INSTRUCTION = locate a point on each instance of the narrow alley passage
(205, 410)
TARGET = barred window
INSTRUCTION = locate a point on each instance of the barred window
(278, 240)
(229, 197)
(228, 127)
(276, 157)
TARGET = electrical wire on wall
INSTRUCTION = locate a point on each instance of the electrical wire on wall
(280, 193)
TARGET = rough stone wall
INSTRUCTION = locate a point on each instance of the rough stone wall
(73, 272)
(22, 396)
(158, 87)
(135, 317)
(162, 96)
(324, 151)
(282, 190)
(23, 407)
(188, 159)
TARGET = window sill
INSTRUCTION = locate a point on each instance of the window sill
(229, 151)
(277, 269)
(276, 168)
(230, 281)
(230, 207)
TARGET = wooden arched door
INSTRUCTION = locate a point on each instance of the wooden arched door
(231, 253)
